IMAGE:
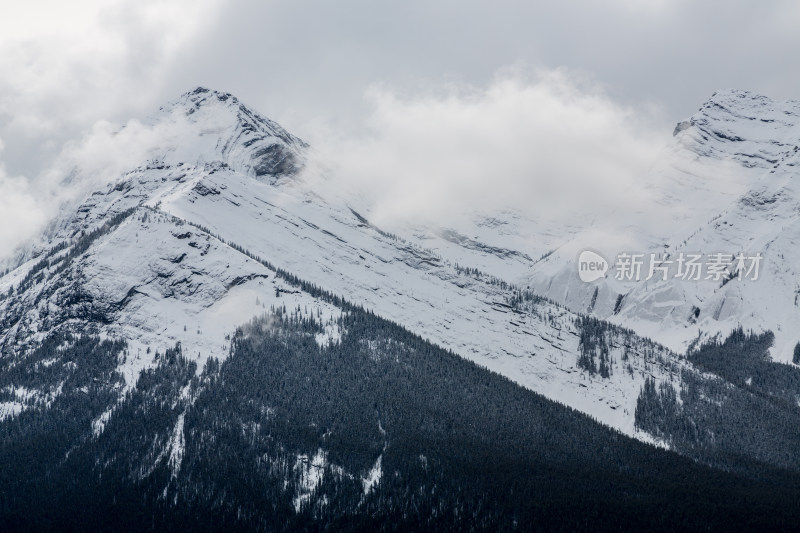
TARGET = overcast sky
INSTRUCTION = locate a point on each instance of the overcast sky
(351, 67)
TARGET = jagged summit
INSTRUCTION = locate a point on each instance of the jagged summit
(204, 98)
(210, 126)
(200, 97)
(749, 102)
(737, 125)
(742, 107)
(197, 134)
(201, 93)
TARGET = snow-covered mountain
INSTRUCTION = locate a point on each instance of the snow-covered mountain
(130, 323)
(164, 254)
(170, 267)
(763, 137)
(724, 185)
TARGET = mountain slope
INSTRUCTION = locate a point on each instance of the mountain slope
(123, 320)
(764, 135)
(724, 186)
(379, 431)
(172, 268)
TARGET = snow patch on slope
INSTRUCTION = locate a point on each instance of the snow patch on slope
(373, 477)
(310, 472)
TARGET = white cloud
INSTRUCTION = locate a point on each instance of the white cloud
(551, 145)
(21, 214)
(85, 59)
(82, 166)
(108, 150)
(68, 66)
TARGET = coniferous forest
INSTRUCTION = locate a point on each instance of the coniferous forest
(743, 415)
(379, 430)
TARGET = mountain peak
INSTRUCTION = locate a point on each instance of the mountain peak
(217, 126)
(741, 102)
(743, 126)
(204, 96)
(745, 104)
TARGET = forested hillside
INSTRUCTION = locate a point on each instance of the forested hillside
(747, 408)
(379, 430)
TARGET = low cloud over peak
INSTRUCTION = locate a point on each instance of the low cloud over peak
(534, 143)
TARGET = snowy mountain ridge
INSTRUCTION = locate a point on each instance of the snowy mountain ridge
(157, 258)
(763, 137)
(726, 185)
(192, 244)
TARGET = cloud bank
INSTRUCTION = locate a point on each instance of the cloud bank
(21, 212)
(551, 145)
(67, 67)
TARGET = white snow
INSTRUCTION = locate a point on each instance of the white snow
(373, 477)
(99, 424)
(310, 471)
(168, 281)
(177, 446)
